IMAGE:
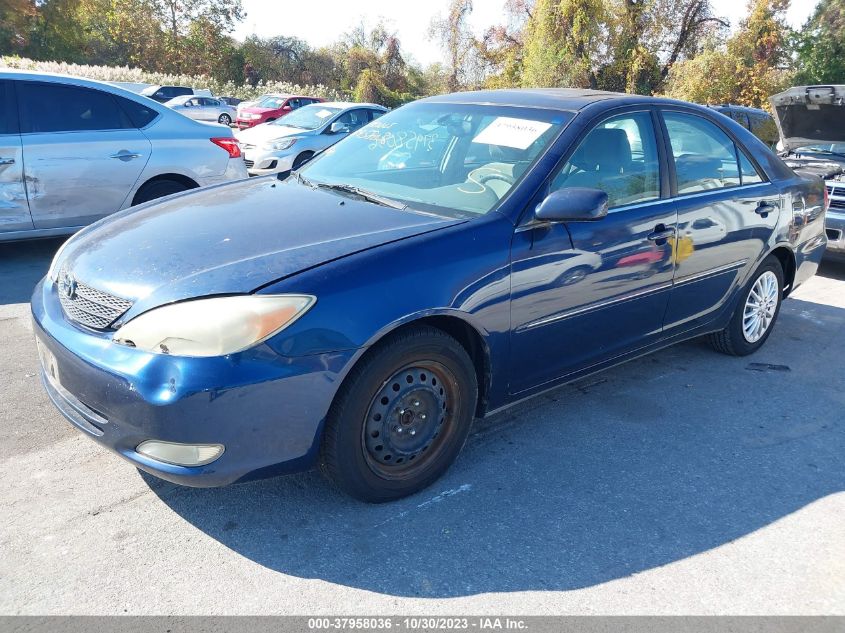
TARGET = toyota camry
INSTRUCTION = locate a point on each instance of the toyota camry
(441, 263)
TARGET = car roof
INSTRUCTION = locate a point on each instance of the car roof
(348, 104)
(741, 108)
(553, 98)
(35, 75)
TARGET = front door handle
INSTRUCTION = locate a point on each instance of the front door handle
(125, 156)
(765, 208)
(661, 233)
(7, 161)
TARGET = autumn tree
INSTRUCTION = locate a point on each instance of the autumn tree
(459, 45)
(821, 45)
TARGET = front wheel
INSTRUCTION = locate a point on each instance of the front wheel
(401, 417)
(225, 119)
(755, 315)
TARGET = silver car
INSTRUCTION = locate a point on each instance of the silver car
(73, 151)
(203, 108)
(289, 142)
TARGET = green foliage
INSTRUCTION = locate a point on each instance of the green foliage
(821, 45)
(752, 66)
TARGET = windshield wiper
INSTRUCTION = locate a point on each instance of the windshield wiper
(369, 196)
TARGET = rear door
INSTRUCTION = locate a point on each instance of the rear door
(14, 210)
(82, 153)
(727, 212)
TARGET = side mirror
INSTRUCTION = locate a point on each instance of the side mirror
(337, 126)
(575, 204)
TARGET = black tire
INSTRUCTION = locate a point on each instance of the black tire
(377, 458)
(300, 160)
(733, 340)
(225, 119)
(159, 189)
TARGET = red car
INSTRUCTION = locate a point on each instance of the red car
(272, 107)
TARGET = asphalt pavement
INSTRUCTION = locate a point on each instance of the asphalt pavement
(682, 482)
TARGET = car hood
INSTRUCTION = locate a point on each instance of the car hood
(267, 132)
(257, 110)
(229, 239)
(810, 114)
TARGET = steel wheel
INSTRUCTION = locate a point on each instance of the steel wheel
(409, 420)
(760, 307)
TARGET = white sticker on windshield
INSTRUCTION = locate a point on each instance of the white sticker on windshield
(510, 132)
(324, 113)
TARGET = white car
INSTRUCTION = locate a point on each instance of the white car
(73, 151)
(203, 108)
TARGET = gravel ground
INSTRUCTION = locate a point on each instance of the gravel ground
(682, 482)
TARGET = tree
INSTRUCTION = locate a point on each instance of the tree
(17, 23)
(563, 43)
(457, 39)
(502, 47)
(821, 45)
(753, 65)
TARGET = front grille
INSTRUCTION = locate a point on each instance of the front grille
(89, 306)
(837, 204)
(249, 163)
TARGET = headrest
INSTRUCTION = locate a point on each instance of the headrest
(604, 149)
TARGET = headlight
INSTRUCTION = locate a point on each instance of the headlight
(53, 271)
(280, 143)
(252, 115)
(213, 327)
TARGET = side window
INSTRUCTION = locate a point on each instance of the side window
(140, 115)
(5, 109)
(294, 103)
(749, 174)
(354, 119)
(374, 114)
(705, 157)
(619, 156)
(741, 118)
(765, 128)
(178, 92)
(48, 107)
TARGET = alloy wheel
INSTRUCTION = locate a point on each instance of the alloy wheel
(760, 307)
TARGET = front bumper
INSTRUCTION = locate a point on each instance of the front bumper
(247, 123)
(266, 409)
(262, 162)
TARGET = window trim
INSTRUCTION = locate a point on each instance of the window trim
(24, 116)
(670, 156)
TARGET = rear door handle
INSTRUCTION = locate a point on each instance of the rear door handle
(7, 161)
(124, 155)
(765, 208)
(661, 233)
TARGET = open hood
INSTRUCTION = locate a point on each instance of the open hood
(808, 115)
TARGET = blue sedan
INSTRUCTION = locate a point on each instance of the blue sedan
(449, 259)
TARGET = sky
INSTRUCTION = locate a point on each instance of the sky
(321, 22)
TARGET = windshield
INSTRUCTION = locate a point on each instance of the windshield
(272, 102)
(455, 160)
(824, 148)
(308, 117)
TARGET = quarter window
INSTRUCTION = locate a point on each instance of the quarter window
(140, 115)
(750, 175)
(619, 156)
(60, 108)
(705, 157)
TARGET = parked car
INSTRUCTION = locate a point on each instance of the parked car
(163, 94)
(232, 101)
(272, 107)
(249, 104)
(203, 109)
(289, 143)
(359, 318)
(811, 121)
(73, 151)
(759, 122)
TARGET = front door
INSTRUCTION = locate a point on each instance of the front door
(14, 210)
(82, 154)
(586, 292)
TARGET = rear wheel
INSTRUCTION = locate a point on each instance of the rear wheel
(159, 189)
(225, 119)
(401, 417)
(755, 315)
